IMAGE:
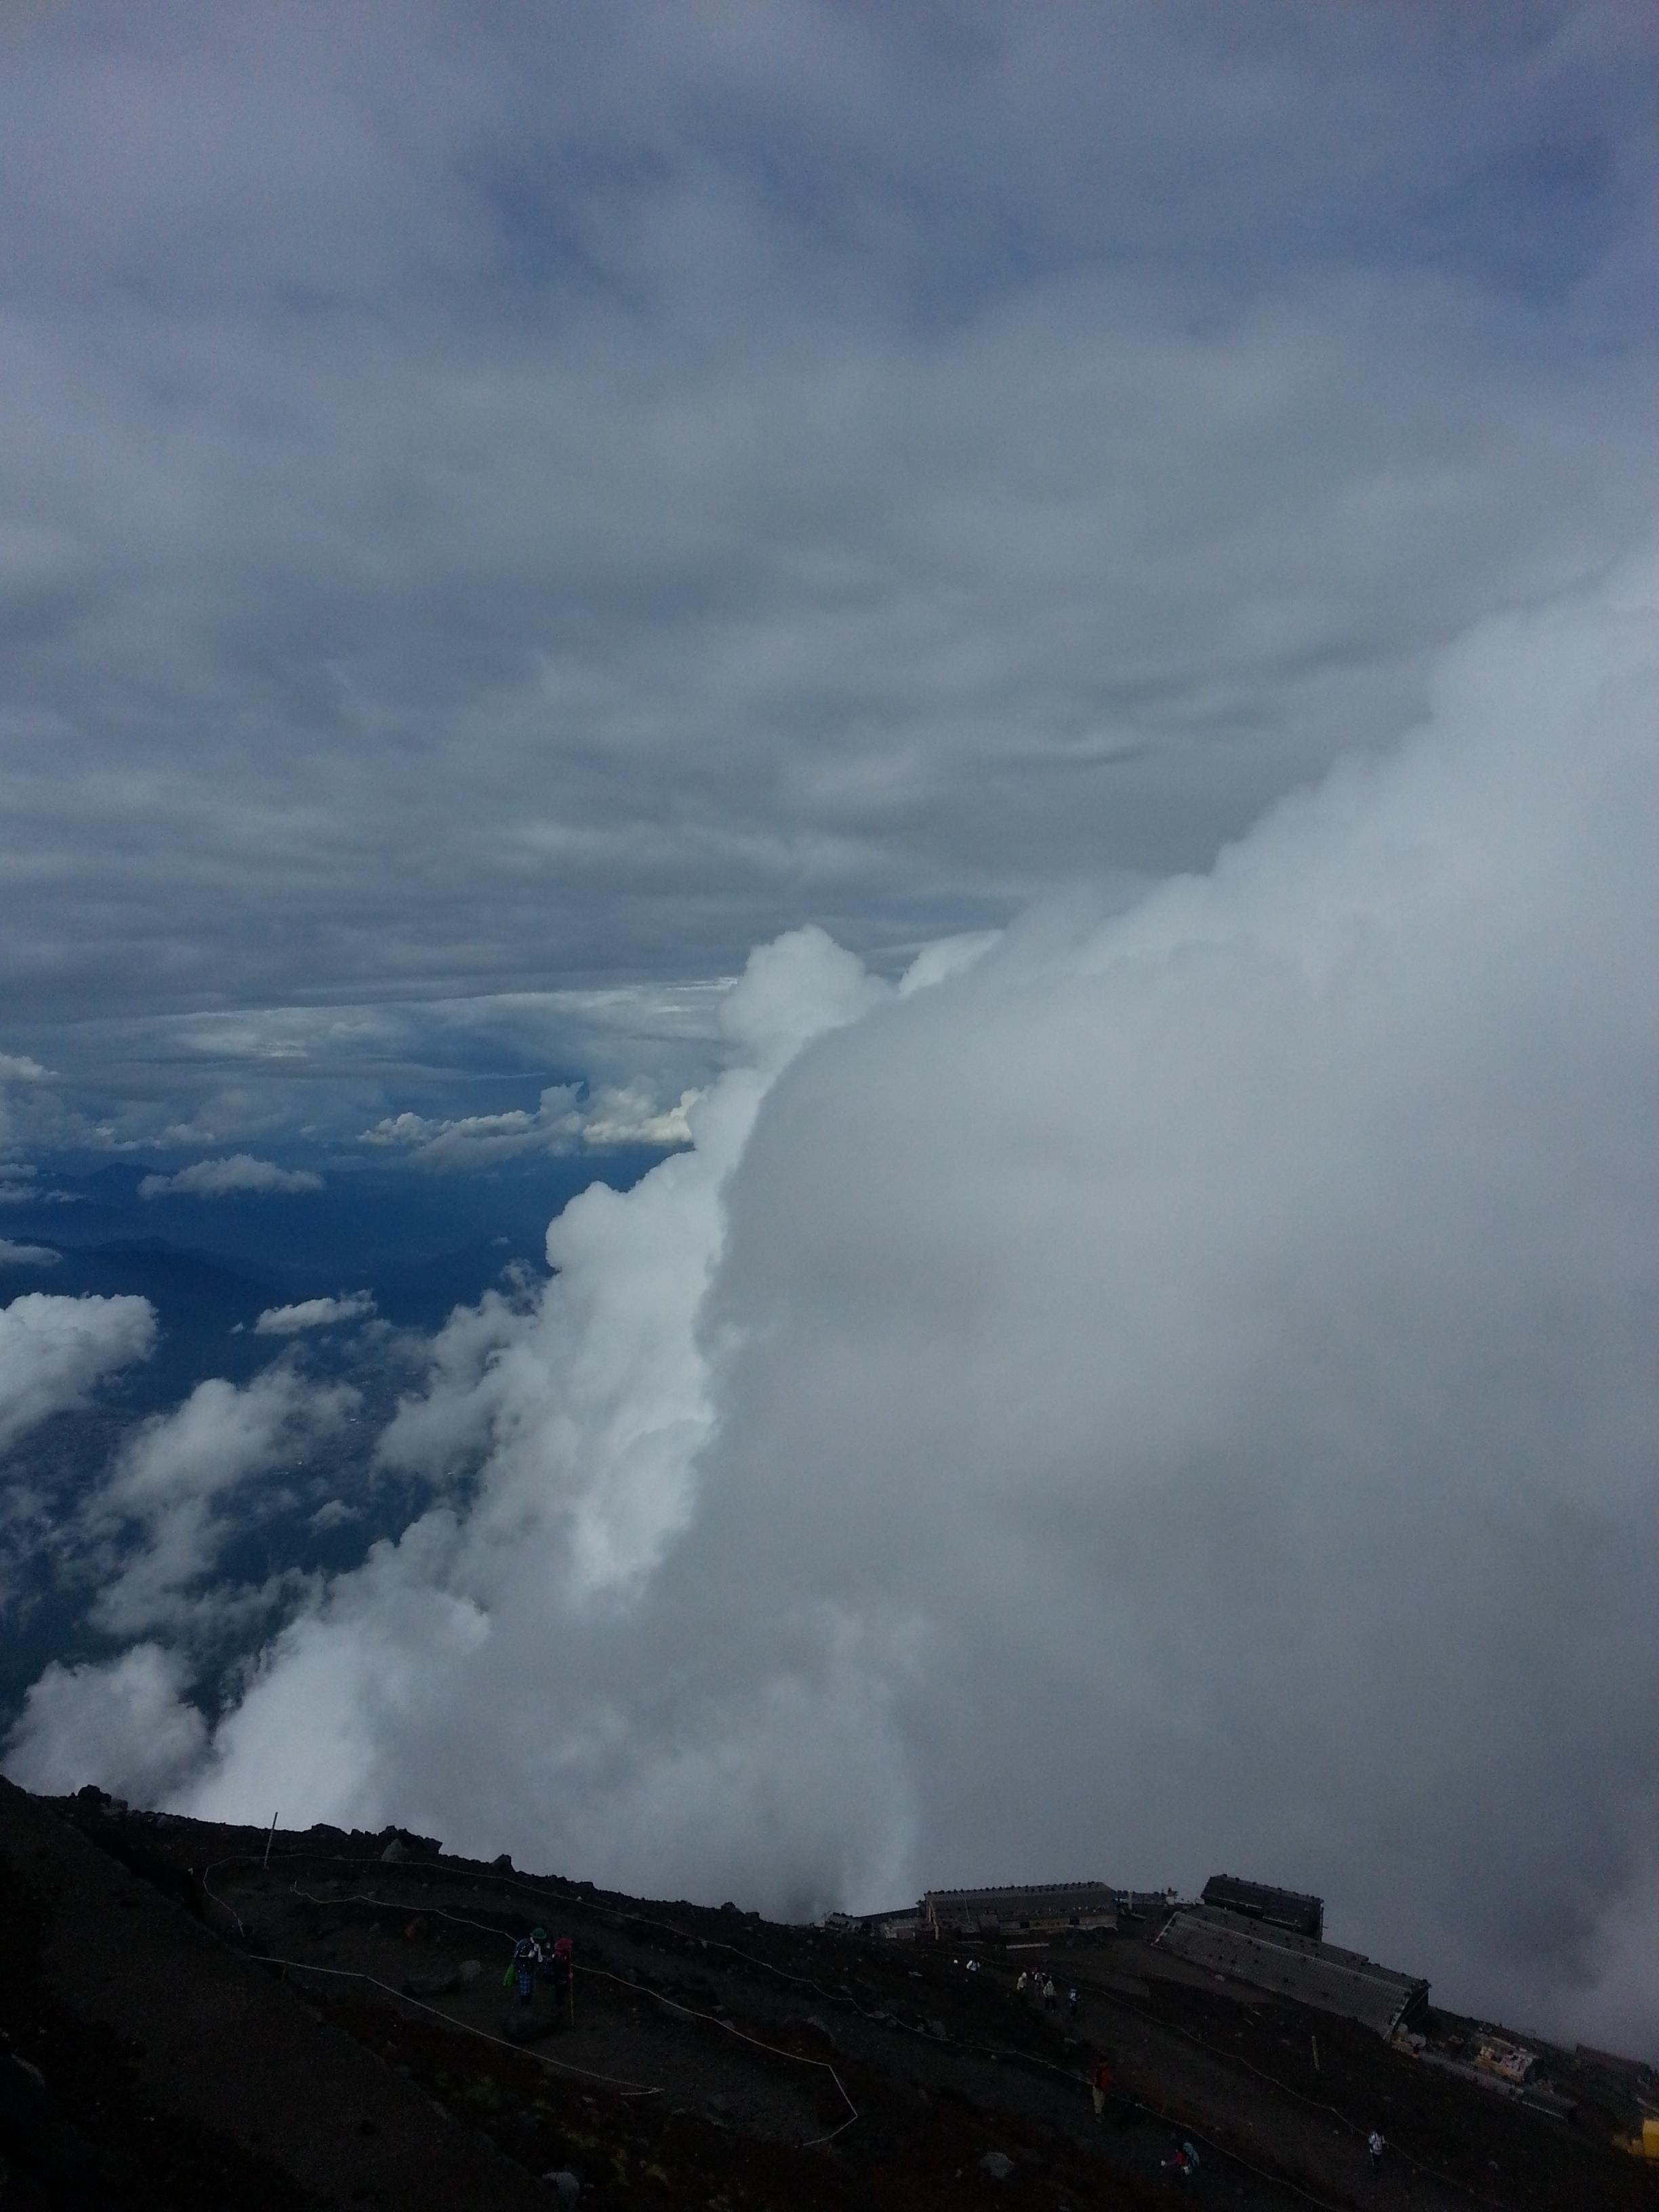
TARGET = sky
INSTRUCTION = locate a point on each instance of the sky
(1021, 645)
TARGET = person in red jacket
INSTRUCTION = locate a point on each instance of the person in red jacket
(1100, 2084)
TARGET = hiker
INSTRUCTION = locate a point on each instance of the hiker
(563, 1992)
(526, 1957)
(1023, 1983)
(1100, 2085)
(543, 1943)
(1048, 1993)
(1375, 2144)
(1184, 2158)
(1071, 2004)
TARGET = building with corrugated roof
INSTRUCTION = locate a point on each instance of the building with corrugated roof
(1044, 1905)
(1261, 1900)
(1287, 1965)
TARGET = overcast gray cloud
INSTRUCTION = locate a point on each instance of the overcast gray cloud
(509, 500)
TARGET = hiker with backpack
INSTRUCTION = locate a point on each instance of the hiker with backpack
(527, 1956)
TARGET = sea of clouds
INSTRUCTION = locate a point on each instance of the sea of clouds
(1150, 1391)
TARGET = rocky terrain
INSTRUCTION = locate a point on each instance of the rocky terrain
(200, 2016)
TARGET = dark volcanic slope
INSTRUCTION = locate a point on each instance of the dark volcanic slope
(175, 2074)
(333, 2030)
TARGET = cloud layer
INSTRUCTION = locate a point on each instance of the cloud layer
(162, 1513)
(546, 509)
(563, 1121)
(124, 1722)
(54, 1352)
(1147, 1392)
(233, 1176)
(314, 1313)
(14, 1255)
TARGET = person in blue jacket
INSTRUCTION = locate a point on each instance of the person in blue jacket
(527, 1956)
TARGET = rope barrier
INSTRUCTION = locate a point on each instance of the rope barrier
(350, 1974)
(636, 1989)
(547, 1889)
(459, 1920)
(673, 2005)
(990, 2050)
(543, 1891)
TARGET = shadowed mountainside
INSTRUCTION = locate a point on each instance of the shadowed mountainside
(187, 2025)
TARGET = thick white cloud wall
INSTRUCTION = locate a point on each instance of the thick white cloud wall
(1174, 1389)
(1226, 1330)
(125, 1725)
(592, 1409)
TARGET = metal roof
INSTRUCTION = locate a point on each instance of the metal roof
(1014, 1901)
(1263, 1901)
(1323, 1975)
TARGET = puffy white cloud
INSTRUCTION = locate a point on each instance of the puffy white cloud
(475, 1139)
(54, 1351)
(125, 1725)
(629, 1114)
(562, 1122)
(161, 1512)
(224, 1178)
(14, 1255)
(1168, 1389)
(596, 1396)
(18, 1067)
(314, 1313)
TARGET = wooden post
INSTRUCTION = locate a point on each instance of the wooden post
(266, 1860)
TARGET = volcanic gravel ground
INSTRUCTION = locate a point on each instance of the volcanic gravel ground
(207, 2059)
(298, 2034)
